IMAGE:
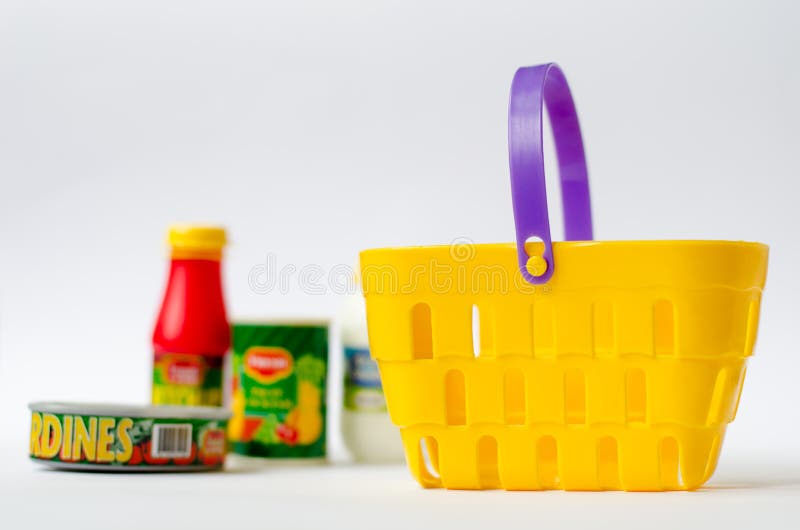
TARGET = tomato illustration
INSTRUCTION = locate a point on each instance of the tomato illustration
(286, 433)
(189, 459)
(150, 459)
(136, 456)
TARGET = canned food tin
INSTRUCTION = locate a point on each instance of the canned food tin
(128, 438)
(279, 386)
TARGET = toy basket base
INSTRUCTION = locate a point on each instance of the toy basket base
(543, 457)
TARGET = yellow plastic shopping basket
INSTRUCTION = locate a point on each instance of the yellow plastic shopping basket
(594, 366)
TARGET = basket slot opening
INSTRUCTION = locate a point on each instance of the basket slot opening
(664, 328)
(608, 463)
(715, 408)
(544, 332)
(635, 396)
(455, 398)
(476, 331)
(603, 328)
(547, 462)
(670, 469)
(514, 397)
(752, 327)
(713, 455)
(575, 396)
(429, 459)
(421, 331)
(488, 474)
(739, 385)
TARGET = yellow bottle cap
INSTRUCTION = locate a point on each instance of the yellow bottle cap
(196, 241)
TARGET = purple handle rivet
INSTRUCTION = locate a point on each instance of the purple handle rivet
(536, 266)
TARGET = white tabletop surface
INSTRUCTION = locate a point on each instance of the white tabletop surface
(745, 492)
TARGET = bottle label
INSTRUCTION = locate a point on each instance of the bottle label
(183, 379)
(362, 382)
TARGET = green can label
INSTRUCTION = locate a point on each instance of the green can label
(119, 442)
(188, 380)
(279, 374)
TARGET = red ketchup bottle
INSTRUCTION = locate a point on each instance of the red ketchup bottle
(191, 335)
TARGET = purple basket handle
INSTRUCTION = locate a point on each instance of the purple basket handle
(531, 87)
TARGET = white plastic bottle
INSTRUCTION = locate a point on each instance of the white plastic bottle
(367, 430)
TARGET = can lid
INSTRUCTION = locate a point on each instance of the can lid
(133, 411)
(298, 322)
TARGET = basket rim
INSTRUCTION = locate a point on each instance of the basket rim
(583, 264)
(683, 243)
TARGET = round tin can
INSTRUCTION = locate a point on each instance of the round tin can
(104, 437)
(280, 372)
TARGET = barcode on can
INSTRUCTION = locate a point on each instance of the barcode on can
(171, 440)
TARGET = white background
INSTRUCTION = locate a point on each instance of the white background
(313, 130)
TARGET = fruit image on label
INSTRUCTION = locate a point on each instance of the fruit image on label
(305, 418)
(189, 380)
(278, 399)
